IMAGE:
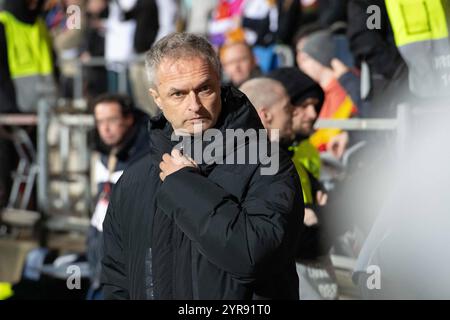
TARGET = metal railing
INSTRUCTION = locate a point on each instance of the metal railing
(358, 124)
(99, 62)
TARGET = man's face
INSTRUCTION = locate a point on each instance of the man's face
(279, 116)
(237, 62)
(303, 117)
(188, 93)
(111, 124)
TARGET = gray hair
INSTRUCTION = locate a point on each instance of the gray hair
(176, 46)
(262, 92)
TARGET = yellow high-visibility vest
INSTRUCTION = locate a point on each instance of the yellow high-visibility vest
(306, 159)
(421, 32)
(28, 47)
(5, 291)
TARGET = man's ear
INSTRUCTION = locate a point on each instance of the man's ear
(154, 93)
(265, 116)
(296, 111)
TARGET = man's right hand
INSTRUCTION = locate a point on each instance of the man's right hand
(310, 218)
(173, 162)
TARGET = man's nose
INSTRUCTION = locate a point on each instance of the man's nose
(311, 111)
(194, 103)
(103, 127)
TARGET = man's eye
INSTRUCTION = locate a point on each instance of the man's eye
(205, 89)
(177, 94)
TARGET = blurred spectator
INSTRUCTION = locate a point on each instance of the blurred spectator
(341, 45)
(324, 13)
(198, 14)
(315, 57)
(267, 22)
(146, 14)
(386, 71)
(307, 98)
(332, 11)
(167, 17)
(24, 73)
(273, 105)
(310, 11)
(238, 63)
(94, 46)
(424, 44)
(260, 21)
(120, 139)
(225, 24)
(119, 42)
(289, 20)
(67, 42)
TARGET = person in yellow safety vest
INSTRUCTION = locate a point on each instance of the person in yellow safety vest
(5, 291)
(421, 32)
(26, 68)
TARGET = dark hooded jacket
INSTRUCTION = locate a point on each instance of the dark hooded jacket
(222, 231)
(134, 146)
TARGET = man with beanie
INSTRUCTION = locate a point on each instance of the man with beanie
(316, 58)
(320, 46)
(307, 98)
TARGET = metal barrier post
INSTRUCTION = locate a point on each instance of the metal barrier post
(403, 128)
(42, 154)
(78, 81)
(122, 79)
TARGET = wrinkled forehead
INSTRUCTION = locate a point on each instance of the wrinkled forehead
(173, 69)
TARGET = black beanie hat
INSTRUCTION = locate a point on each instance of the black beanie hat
(299, 86)
(320, 46)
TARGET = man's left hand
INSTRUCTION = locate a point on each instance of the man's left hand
(338, 144)
(173, 162)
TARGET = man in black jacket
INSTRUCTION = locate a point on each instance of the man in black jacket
(183, 229)
(120, 139)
